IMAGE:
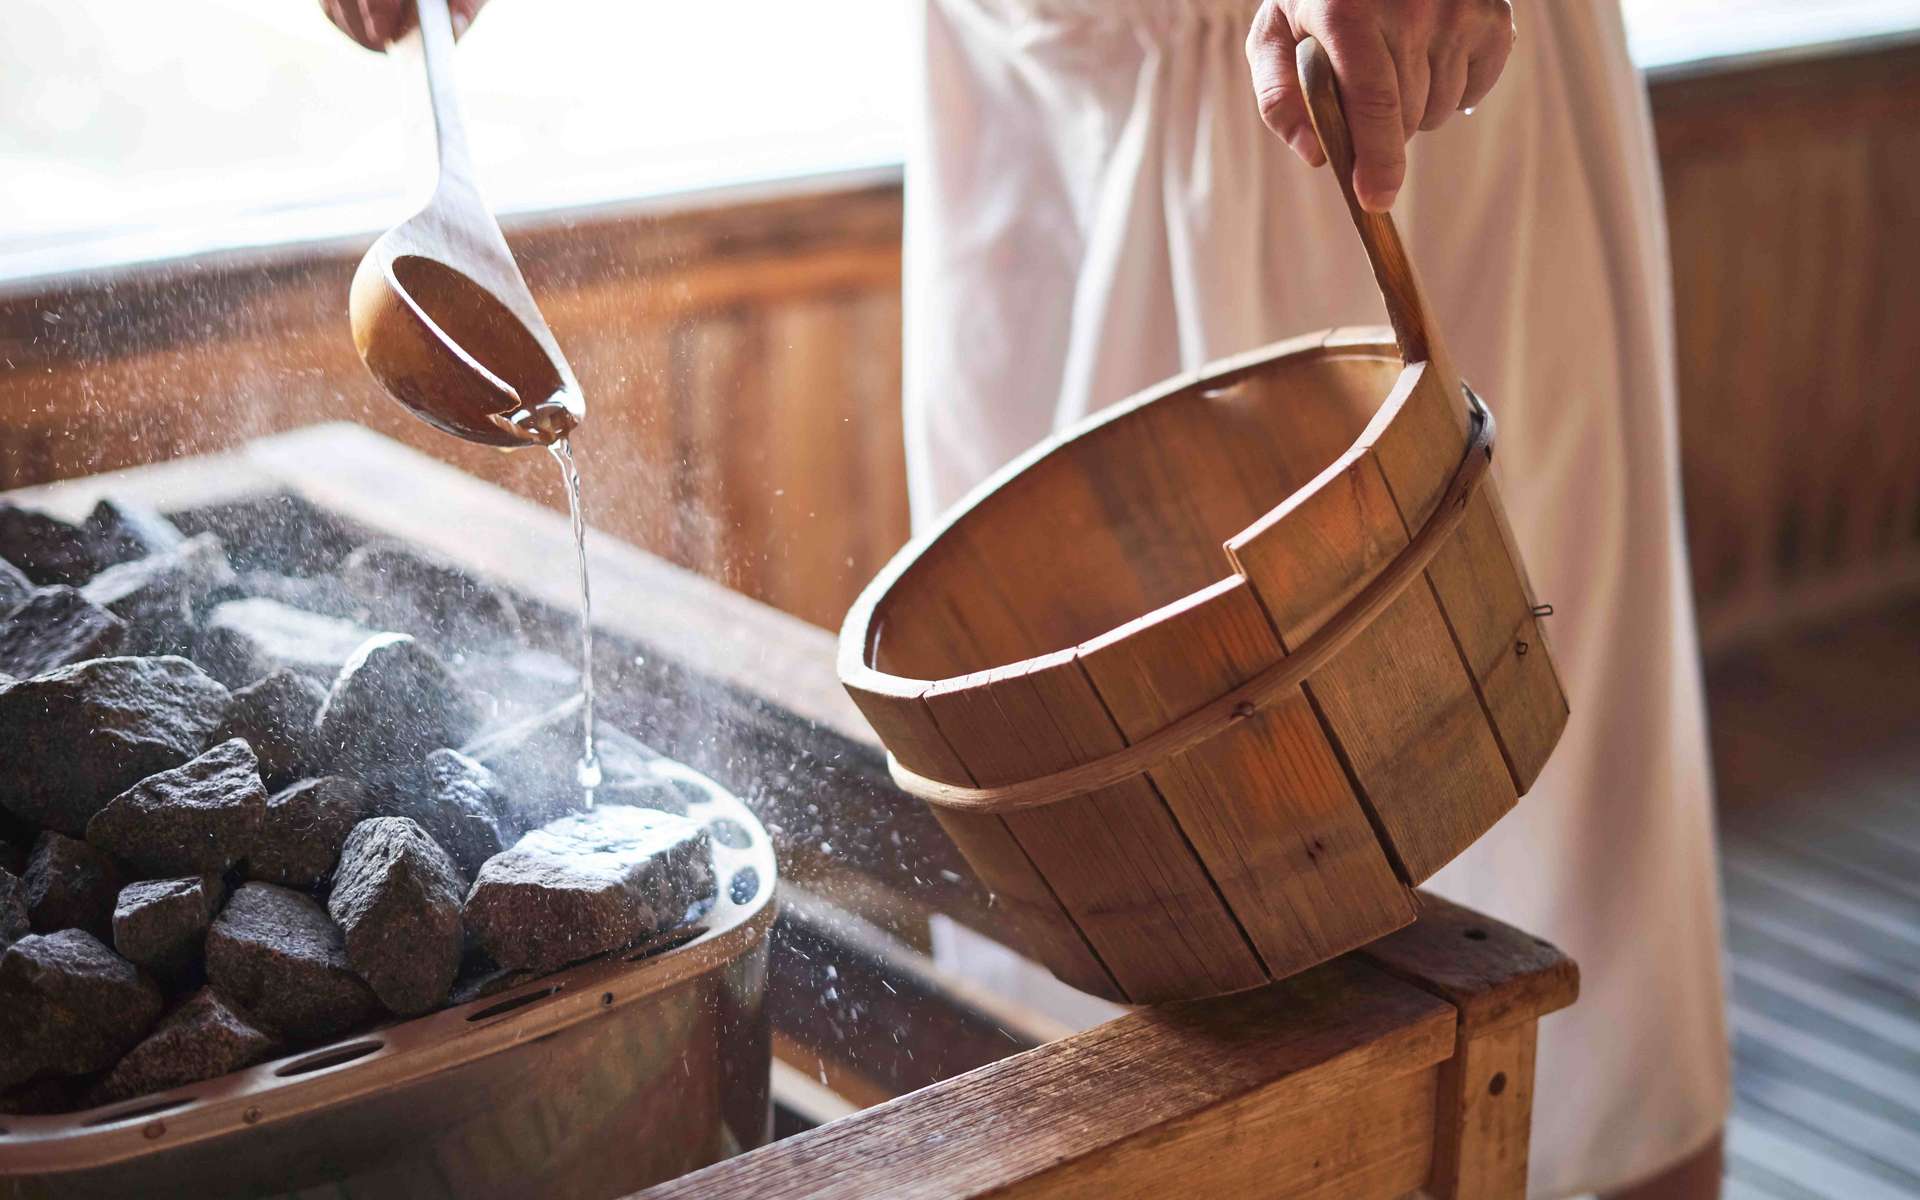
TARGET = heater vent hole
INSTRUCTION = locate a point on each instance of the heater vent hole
(333, 1057)
(729, 833)
(153, 1108)
(508, 1005)
(745, 885)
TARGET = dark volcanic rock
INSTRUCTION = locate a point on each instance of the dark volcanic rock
(480, 978)
(536, 760)
(587, 884)
(516, 684)
(160, 924)
(54, 627)
(71, 885)
(275, 716)
(15, 587)
(123, 530)
(393, 703)
(205, 1037)
(46, 549)
(456, 802)
(202, 816)
(303, 829)
(407, 589)
(47, 1095)
(157, 595)
(75, 738)
(280, 532)
(69, 1005)
(321, 594)
(276, 953)
(397, 897)
(14, 921)
(244, 640)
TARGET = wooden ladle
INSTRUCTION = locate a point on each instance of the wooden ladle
(441, 314)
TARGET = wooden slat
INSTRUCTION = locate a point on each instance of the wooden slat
(1116, 858)
(845, 994)
(1477, 577)
(1030, 915)
(1493, 974)
(1265, 804)
(1398, 701)
(1125, 1103)
(1485, 1117)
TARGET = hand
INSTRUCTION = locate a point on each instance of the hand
(376, 23)
(1403, 66)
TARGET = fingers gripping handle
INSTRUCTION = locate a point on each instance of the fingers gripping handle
(1413, 328)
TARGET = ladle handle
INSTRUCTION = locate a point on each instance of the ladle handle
(449, 124)
(1413, 325)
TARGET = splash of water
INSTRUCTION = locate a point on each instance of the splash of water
(587, 772)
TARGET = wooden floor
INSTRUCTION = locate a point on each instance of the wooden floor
(1817, 745)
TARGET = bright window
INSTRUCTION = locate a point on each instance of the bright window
(138, 129)
(144, 129)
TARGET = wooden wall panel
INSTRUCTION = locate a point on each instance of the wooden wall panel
(1791, 190)
(741, 354)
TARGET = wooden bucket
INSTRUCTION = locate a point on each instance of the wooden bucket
(1185, 772)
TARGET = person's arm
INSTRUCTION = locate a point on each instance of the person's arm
(1403, 66)
(376, 23)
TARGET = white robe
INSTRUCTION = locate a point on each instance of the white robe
(1093, 205)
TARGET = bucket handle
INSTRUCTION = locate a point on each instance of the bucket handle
(1413, 325)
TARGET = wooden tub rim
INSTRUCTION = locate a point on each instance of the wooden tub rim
(1382, 586)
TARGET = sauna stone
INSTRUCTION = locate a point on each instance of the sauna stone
(47, 550)
(125, 530)
(457, 802)
(157, 595)
(15, 587)
(303, 828)
(393, 703)
(321, 594)
(205, 1037)
(69, 1005)
(71, 885)
(14, 921)
(480, 978)
(397, 899)
(275, 715)
(407, 589)
(201, 816)
(76, 737)
(281, 532)
(246, 640)
(534, 760)
(587, 884)
(53, 627)
(276, 953)
(161, 924)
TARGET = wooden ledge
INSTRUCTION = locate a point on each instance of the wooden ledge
(1493, 974)
(1316, 1081)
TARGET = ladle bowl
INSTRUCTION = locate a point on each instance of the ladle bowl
(439, 310)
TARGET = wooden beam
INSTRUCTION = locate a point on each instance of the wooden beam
(1318, 1082)
(852, 1002)
(1500, 981)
